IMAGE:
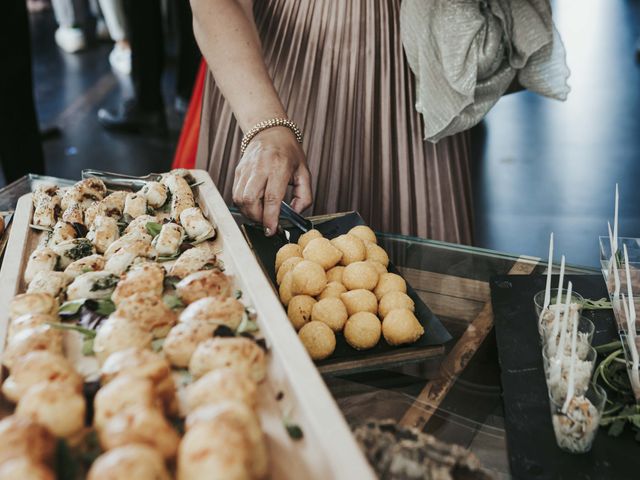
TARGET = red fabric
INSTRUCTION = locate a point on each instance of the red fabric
(185, 156)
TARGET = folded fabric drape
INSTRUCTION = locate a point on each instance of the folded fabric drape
(465, 54)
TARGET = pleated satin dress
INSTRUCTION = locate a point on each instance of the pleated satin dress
(340, 71)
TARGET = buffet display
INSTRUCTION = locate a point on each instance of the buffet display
(140, 336)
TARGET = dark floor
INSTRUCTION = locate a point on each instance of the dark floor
(541, 166)
(70, 88)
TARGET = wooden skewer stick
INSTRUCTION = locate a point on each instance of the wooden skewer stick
(631, 316)
(572, 365)
(634, 375)
(547, 290)
(614, 246)
(613, 262)
(565, 319)
(556, 317)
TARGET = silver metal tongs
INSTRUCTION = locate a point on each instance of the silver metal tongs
(121, 180)
(294, 217)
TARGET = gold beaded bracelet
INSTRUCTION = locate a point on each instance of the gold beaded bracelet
(273, 122)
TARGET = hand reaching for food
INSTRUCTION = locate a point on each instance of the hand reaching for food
(272, 161)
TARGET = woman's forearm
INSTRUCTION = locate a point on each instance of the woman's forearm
(228, 39)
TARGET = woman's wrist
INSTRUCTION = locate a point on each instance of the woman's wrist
(269, 124)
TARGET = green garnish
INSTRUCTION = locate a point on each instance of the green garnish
(600, 304)
(66, 466)
(157, 344)
(87, 347)
(105, 307)
(82, 248)
(293, 429)
(168, 258)
(105, 283)
(71, 307)
(153, 228)
(238, 294)
(87, 270)
(171, 281)
(87, 332)
(185, 377)
(92, 449)
(166, 207)
(620, 408)
(247, 325)
(629, 414)
(173, 302)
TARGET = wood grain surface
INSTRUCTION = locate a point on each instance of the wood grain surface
(434, 392)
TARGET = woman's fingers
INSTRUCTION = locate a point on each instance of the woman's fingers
(253, 195)
(302, 193)
(273, 196)
(239, 183)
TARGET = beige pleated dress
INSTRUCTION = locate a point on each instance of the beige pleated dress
(340, 71)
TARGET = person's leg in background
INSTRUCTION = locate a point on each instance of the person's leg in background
(74, 22)
(20, 144)
(188, 56)
(145, 112)
(115, 18)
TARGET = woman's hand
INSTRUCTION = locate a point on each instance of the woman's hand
(272, 161)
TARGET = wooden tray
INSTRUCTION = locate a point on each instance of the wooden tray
(533, 452)
(328, 449)
(345, 358)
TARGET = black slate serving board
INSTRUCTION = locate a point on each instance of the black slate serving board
(346, 358)
(533, 452)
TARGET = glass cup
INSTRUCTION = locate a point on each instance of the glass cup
(558, 379)
(586, 329)
(634, 374)
(577, 301)
(576, 428)
(538, 299)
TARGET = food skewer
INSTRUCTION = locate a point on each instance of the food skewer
(556, 352)
(547, 291)
(614, 266)
(559, 301)
(630, 312)
(634, 377)
(572, 373)
(631, 318)
(565, 317)
(547, 288)
(614, 246)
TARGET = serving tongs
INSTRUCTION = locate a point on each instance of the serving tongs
(7, 217)
(121, 180)
(294, 217)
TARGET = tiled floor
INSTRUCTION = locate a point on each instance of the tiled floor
(541, 165)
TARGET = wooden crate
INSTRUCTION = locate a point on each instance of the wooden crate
(328, 449)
